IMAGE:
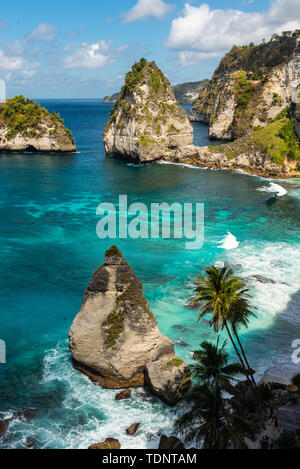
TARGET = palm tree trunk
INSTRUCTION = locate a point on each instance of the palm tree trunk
(236, 349)
(253, 389)
(244, 355)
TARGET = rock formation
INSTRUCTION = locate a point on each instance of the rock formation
(273, 151)
(296, 110)
(108, 444)
(26, 126)
(115, 339)
(251, 86)
(146, 122)
(170, 442)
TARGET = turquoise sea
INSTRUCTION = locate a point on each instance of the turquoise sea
(49, 250)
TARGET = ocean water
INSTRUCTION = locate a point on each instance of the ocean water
(49, 250)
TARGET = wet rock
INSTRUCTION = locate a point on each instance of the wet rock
(3, 428)
(147, 122)
(181, 343)
(108, 444)
(28, 414)
(170, 442)
(123, 395)
(31, 442)
(262, 279)
(133, 429)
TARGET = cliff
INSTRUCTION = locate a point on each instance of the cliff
(250, 87)
(26, 126)
(146, 122)
(271, 151)
(115, 339)
(185, 93)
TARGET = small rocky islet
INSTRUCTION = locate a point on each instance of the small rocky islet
(25, 126)
(252, 101)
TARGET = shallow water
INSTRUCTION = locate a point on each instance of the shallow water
(49, 250)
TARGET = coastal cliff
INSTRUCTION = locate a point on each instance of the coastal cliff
(115, 339)
(146, 122)
(272, 151)
(251, 86)
(27, 126)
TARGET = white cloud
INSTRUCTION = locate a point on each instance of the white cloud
(8, 63)
(145, 8)
(44, 32)
(212, 32)
(91, 56)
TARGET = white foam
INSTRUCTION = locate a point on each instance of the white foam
(229, 242)
(102, 415)
(274, 189)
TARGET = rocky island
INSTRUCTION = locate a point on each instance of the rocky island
(25, 126)
(115, 340)
(252, 101)
(147, 122)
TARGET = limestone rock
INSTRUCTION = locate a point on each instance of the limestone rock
(115, 336)
(25, 126)
(147, 122)
(165, 378)
(108, 444)
(123, 395)
(131, 431)
(250, 159)
(170, 442)
(251, 86)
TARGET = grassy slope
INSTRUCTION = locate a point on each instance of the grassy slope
(278, 141)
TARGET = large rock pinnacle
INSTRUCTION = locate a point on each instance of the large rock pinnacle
(147, 122)
(115, 339)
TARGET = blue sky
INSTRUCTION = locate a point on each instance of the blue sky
(83, 49)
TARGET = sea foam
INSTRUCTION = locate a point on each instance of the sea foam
(274, 189)
(229, 242)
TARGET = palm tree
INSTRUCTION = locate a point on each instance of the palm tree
(211, 366)
(219, 294)
(210, 421)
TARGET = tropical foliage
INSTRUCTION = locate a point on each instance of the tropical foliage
(211, 422)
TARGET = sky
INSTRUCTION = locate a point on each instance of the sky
(83, 49)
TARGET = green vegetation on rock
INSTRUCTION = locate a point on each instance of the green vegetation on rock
(260, 59)
(277, 140)
(113, 251)
(243, 89)
(114, 326)
(177, 362)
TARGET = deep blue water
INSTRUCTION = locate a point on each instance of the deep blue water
(49, 250)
